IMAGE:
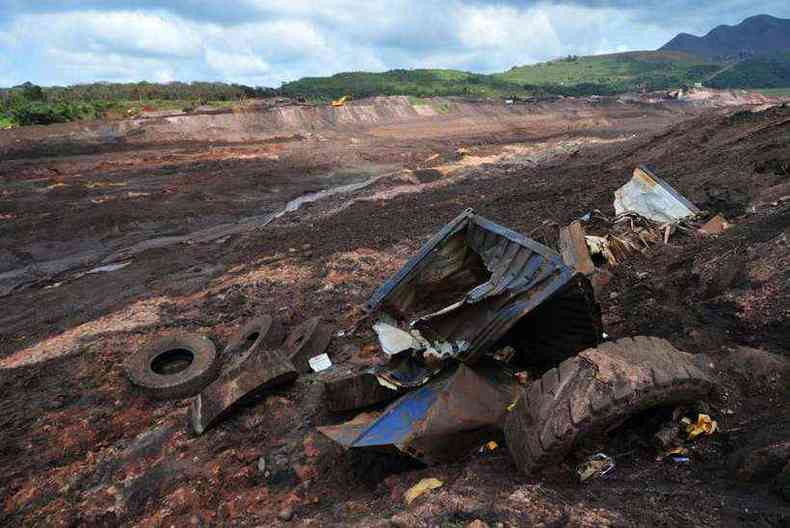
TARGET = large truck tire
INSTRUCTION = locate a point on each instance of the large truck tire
(598, 389)
(176, 366)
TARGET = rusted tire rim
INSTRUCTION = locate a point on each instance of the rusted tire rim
(264, 331)
(175, 366)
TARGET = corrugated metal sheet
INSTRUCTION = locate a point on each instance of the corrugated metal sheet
(518, 275)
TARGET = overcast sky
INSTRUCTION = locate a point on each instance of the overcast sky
(266, 42)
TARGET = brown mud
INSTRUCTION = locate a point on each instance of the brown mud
(80, 446)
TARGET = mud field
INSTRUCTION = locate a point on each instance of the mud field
(115, 233)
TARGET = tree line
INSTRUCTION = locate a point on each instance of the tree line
(29, 104)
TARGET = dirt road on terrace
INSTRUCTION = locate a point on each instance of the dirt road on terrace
(115, 233)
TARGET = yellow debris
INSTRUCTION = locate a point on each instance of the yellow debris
(491, 445)
(704, 425)
(423, 486)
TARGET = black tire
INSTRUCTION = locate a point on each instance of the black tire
(270, 333)
(140, 367)
(598, 388)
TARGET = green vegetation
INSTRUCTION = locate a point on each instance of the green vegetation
(608, 74)
(29, 104)
(572, 76)
(775, 92)
(417, 83)
(770, 71)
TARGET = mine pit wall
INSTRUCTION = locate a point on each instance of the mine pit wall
(355, 117)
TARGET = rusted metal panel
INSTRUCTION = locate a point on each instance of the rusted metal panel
(574, 248)
(431, 423)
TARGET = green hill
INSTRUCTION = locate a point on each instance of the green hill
(580, 76)
(420, 83)
(602, 74)
(770, 71)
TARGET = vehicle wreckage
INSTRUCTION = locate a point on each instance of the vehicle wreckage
(476, 304)
(465, 326)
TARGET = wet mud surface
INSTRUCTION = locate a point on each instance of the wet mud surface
(81, 447)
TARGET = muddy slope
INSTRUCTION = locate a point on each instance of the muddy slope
(82, 447)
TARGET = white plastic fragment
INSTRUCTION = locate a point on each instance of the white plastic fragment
(320, 362)
(651, 197)
(393, 340)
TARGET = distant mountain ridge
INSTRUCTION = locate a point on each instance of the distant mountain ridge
(757, 35)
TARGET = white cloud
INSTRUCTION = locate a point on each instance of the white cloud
(235, 65)
(121, 31)
(267, 42)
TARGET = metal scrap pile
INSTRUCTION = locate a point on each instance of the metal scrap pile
(486, 332)
(479, 304)
(647, 211)
(473, 291)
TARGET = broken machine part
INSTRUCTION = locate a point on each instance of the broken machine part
(450, 415)
(256, 368)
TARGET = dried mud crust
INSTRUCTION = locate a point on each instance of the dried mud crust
(201, 371)
(595, 390)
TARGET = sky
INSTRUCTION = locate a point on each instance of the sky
(267, 42)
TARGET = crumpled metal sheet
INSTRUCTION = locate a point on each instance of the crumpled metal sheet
(472, 283)
(438, 421)
(651, 197)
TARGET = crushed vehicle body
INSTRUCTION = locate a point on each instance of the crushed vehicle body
(474, 290)
(454, 413)
(476, 287)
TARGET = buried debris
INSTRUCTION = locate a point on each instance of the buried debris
(651, 197)
(648, 211)
(421, 488)
(439, 421)
(715, 225)
(598, 465)
(252, 364)
(600, 387)
(704, 425)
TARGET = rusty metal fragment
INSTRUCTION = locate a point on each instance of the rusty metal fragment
(261, 369)
(357, 391)
(477, 286)
(306, 341)
(439, 421)
(573, 247)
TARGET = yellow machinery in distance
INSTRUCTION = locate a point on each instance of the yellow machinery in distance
(341, 101)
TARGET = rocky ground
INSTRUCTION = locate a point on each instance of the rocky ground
(194, 221)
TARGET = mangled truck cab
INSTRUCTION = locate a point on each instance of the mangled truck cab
(475, 288)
